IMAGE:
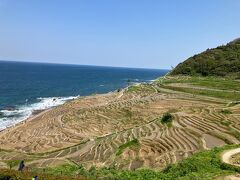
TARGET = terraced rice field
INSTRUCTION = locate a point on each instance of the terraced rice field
(90, 130)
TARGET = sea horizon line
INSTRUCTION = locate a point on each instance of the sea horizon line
(87, 65)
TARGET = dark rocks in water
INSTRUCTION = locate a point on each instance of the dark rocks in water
(1, 115)
(10, 108)
(35, 112)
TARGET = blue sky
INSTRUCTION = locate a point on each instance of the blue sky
(127, 33)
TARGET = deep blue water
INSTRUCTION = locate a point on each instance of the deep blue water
(23, 85)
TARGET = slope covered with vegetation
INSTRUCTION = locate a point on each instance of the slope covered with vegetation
(221, 61)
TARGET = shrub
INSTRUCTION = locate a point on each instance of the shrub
(226, 111)
(167, 118)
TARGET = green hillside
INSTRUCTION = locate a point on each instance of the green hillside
(221, 61)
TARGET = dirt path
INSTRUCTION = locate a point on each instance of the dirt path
(120, 94)
(226, 156)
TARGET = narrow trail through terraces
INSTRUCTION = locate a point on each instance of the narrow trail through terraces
(227, 155)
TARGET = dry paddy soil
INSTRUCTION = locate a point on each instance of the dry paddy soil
(124, 129)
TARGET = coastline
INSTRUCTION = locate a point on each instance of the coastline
(36, 114)
(44, 111)
(27, 119)
(84, 127)
(34, 90)
(33, 112)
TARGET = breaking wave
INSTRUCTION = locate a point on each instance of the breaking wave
(10, 117)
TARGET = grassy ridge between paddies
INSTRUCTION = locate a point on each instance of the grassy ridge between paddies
(202, 165)
(213, 82)
(130, 144)
(226, 88)
(141, 88)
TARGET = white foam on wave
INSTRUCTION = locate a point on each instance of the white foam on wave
(153, 80)
(11, 117)
(132, 80)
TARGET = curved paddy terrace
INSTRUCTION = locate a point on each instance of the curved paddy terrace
(124, 129)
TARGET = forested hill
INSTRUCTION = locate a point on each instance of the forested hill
(221, 61)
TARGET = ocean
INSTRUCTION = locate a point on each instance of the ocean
(29, 87)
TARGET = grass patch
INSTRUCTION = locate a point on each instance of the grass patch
(226, 111)
(208, 82)
(13, 163)
(226, 123)
(142, 88)
(133, 88)
(16, 175)
(68, 169)
(205, 92)
(129, 144)
(225, 88)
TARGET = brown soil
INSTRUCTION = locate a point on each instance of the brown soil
(212, 141)
(90, 130)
